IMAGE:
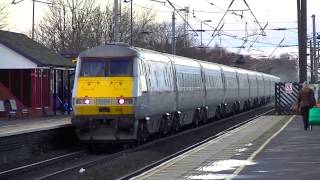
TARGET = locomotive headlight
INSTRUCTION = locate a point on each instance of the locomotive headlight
(87, 101)
(121, 101)
(124, 101)
(84, 101)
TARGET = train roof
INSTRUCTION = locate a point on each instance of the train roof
(125, 50)
(151, 55)
(228, 68)
(209, 65)
(110, 50)
(180, 60)
(184, 61)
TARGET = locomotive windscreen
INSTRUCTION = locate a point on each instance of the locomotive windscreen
(106, 67)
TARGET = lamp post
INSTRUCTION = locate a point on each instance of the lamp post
(201, 30)
(173, 43)
(131, 20)
(33, 9)
(33, 3)
(116, 23)
(131, 23)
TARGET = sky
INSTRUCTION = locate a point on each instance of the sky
(238, 24)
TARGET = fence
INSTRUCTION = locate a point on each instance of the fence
(286, 94)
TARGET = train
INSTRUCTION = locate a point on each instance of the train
(125, 94)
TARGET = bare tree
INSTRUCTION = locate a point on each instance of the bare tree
(75, 25)
(3, 15)
(286, 67)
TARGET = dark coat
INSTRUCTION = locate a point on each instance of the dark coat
(306, 97)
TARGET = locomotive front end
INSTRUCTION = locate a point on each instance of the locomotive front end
(103, 96)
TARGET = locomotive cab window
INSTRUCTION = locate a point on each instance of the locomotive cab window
(93, 68)
(120, 67)
(106, 67)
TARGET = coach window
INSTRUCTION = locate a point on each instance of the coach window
(215, 82)
(141, 67)
(179, 79)
(183, 82)
(166, 76)
(212, 79)
(169, 76)
(147, 68)
(156, 78)
(194, 80)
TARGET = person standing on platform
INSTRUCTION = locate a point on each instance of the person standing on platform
(306, 101)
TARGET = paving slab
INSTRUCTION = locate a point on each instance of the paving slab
(16, 127)
(293, 154)
(223, 157)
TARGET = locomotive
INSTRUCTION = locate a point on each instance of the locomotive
(124, 94)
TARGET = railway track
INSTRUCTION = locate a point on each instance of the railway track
(58, 165)
(148, 167)
(21, 169)
(78, 162)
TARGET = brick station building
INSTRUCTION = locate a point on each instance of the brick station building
(33, 75)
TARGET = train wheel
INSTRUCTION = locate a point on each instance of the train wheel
(164, 128)
(92, 147)
(223, 112)
(196, 120)
(218, 113)
(176, 124)
(233, 109)
(204, 116)
(246, 106)
(142, 134)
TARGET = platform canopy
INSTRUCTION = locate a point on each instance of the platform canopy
(17, 51)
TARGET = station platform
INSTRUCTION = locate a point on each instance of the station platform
(21, 126)
(270, 147)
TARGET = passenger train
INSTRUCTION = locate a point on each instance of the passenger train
(124, 93)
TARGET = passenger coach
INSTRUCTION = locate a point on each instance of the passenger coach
(124, 93)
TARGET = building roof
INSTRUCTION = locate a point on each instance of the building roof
(33, 50)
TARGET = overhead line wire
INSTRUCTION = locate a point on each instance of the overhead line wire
(181, 16)
(220, 22)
